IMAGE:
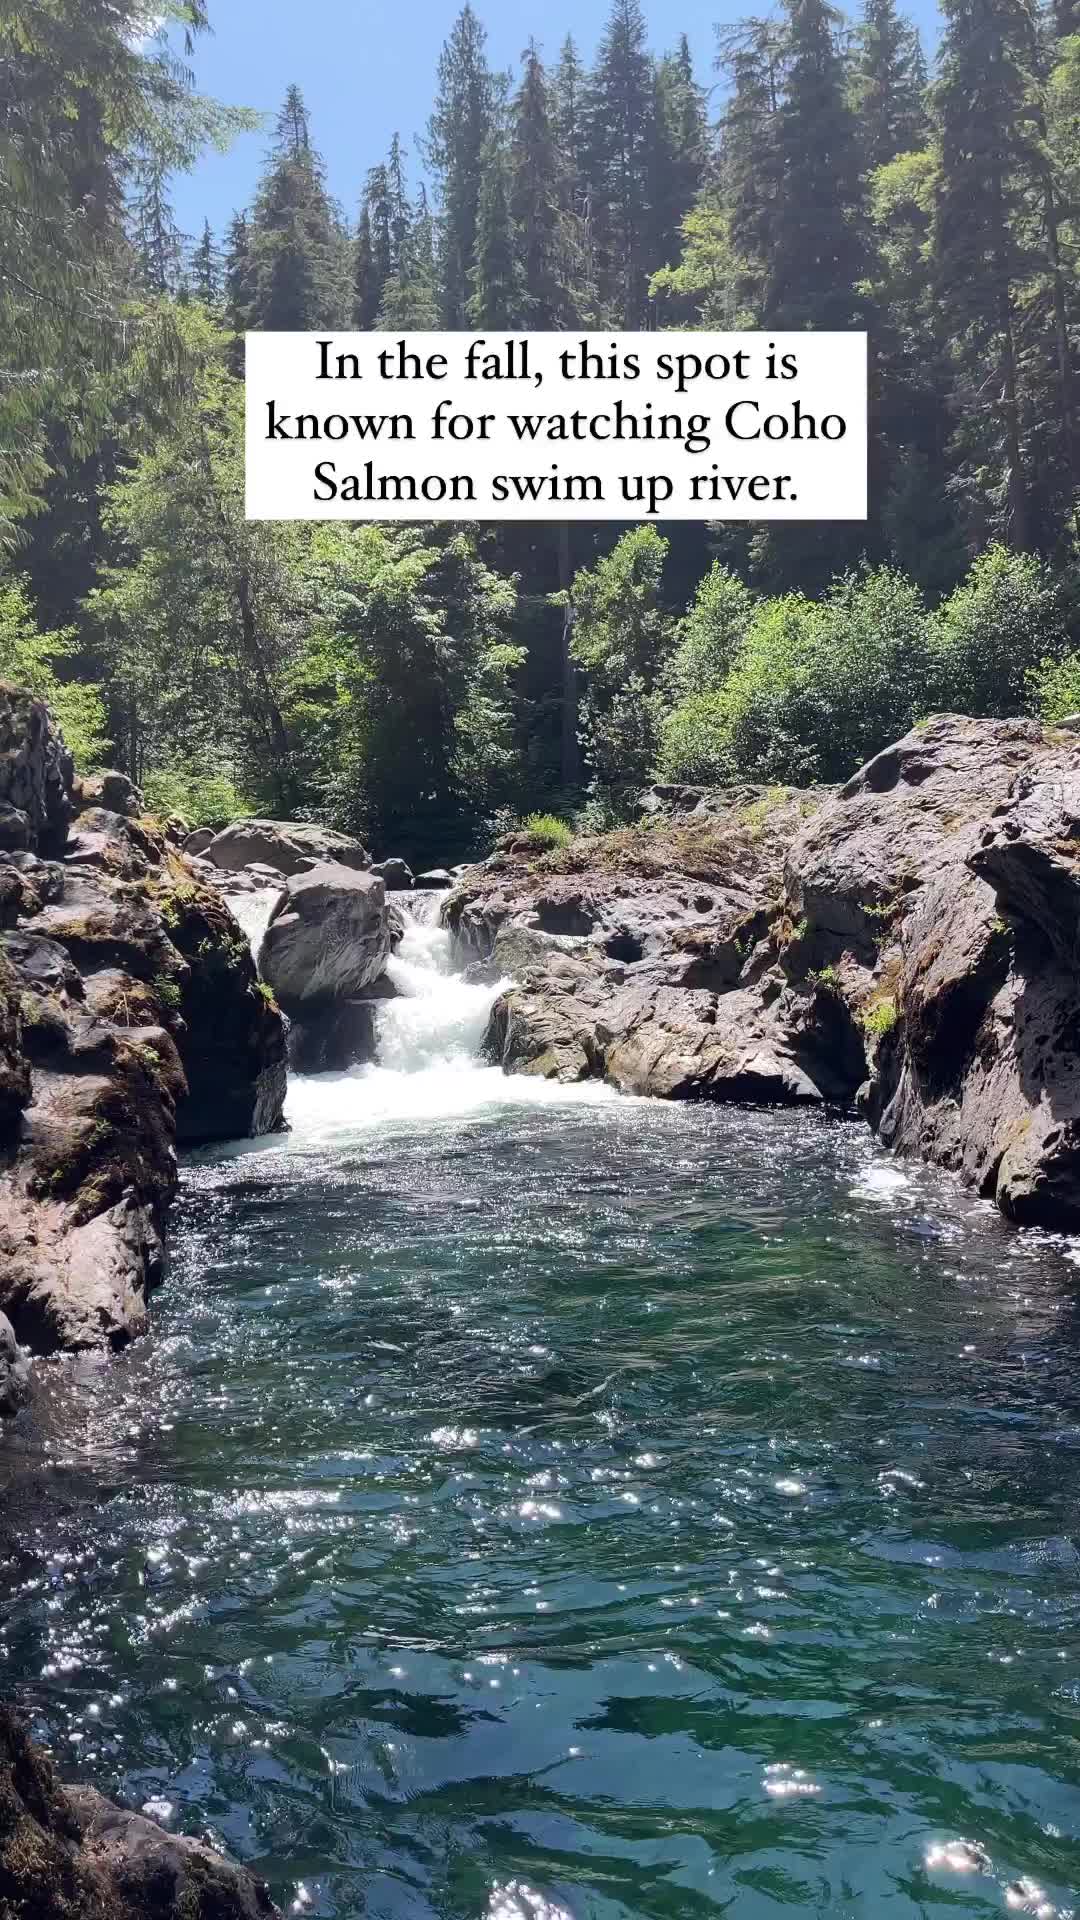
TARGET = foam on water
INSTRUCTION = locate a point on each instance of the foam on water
(428, 1038)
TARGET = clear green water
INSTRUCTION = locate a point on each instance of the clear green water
(606, 1510)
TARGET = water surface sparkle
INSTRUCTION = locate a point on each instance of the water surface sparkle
(569, 1511)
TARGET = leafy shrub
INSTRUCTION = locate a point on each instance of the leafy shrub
(203, 798)
(881, 1016)
(1054, 687)
(712, 634)
(1006, 621)
(28, 659)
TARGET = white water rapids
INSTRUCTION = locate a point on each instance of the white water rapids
(428, 1038)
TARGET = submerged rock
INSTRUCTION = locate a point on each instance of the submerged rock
(69, 1854)
(288, 846)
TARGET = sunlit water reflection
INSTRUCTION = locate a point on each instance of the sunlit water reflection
(569, 1510)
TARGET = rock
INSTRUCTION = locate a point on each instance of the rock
(35, 770)
(395, 874)
(198, 841)
(323, 952)
(69, 1854)
(435, 877)
(328, 938)
(130, 1016)
(262, 875)
(15, 830)
(14, 1371)
(330, 1038)
(289, 846)
(108, 789)
(910, 942)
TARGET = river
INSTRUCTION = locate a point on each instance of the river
(537, 1505)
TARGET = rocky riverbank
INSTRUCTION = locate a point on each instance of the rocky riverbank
(906, 945)
(131, 1020)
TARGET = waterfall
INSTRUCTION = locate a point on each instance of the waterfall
(438, 1020)
(427, 1067)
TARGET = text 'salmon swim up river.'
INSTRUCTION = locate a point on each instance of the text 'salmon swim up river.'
(533, 1503)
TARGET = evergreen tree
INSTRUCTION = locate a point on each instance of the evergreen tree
(817, 256)
(677, 150)
(495, 296)
(298, 251)
(366, 290)
(749, 166)
(239, 274)
(410, 296)
(890, 84)
(548, 232)
(619, 120)
(158, 242)
(458, 131)
(984, 259)
(206, 279)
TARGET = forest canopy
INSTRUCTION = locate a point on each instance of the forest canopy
(422, 686)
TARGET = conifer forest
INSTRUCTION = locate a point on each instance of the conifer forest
(425, 687)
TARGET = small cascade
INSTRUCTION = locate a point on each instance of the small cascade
(428, 1067)
(438, 1019)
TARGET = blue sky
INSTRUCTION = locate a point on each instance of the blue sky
(367, 69)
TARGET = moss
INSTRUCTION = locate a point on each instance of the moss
(167, 992)
(267, 996)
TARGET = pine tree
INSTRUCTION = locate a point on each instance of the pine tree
(206, 280)
(158, 242)
(816, 253)
(890, 85)
(366, 290)
(677, 148)
(984, 107)
(495, 296)
(298, 248)
(619, 122)
(547, 232)
(410, 296)
(458, 131)
(569, 89)
(749, 161)
(239, 274)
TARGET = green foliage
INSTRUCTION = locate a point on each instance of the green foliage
(622, 636)
(397, 700)
(812, 690)
(204, 798)
(1054, 687)
(547, 829)
(1006, 622)
(28, 658)
(880, 1017)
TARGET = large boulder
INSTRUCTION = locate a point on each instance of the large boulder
(289, 846)
(397, 874)
(326, 946)
(69, 1854)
